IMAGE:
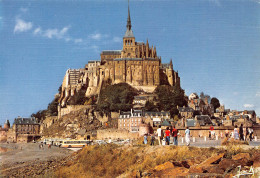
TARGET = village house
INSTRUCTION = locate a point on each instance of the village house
(24, 130)
(130, 120)
(156, 118)
(141, 100)
(4, 130)
(186, 112)
(220, 112)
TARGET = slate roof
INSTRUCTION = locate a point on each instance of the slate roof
(26, 121)
(129, 34)
(93, 61)
(190, 122)
(111, 52)
(150, 113)
(128, 59)
(185, 109)
(165, 65)
(165, 123)
(203, 119)
(135, 112)
(140, 43)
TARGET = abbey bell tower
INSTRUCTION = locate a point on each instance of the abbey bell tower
(129, 40)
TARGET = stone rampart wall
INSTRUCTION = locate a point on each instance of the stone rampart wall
(115, 134)
(201, 132)
(71, 108)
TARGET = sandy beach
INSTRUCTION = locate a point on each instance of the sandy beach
(30, 160)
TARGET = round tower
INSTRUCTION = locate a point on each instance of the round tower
(7, 124)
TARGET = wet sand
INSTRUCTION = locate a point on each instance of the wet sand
(18, 157)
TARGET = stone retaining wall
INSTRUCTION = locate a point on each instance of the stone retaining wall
(115, 134)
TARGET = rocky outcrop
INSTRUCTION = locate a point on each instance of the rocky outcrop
(215, 166)
(72, 125)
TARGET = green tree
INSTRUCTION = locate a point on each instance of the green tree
(215, 102)
(41, 114)
(170, 97)
(78, 98)
(174, 112)
(149, 106)
(116, 97)
(52, 109)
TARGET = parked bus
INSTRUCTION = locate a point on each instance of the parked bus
(75, 143)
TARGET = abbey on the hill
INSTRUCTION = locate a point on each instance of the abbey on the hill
(136, 64)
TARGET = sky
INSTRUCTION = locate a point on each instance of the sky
(214, 45)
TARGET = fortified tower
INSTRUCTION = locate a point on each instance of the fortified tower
(129, 50)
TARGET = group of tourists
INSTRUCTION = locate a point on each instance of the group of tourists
(243, 133)
(164, 136)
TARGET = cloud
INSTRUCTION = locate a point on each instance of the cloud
(235, 93)
(249, 105)
(78, 40)
(22, 26)
(22, 9)
(257, 94)
(56, 33)
(37, 31)
(95, 48)
(117, 39)
(98, 36)
(95, 36)
(257, 1)
(1, 18)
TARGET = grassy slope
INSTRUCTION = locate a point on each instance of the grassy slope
(112, 160)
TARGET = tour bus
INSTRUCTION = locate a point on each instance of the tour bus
(75, 143)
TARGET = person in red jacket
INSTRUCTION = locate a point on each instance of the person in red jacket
(167, 134)
(175, 135)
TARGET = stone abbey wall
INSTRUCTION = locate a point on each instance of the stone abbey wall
(137, 64)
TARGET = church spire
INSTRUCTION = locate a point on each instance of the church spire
(129, 32)
(128, 25)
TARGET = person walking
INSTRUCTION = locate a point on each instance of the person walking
(250, 133)
(145, 139)
(167, 134)
(245, 133)
(187, 136)
(175, 135)
(159, 134)
(152, 139)
(236, 133)
(241, 132)
(212, 132)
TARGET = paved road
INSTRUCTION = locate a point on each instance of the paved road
(200, 142)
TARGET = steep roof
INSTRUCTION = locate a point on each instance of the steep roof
(165, 123)
(26, 121)
(190, 122)
(129, 32)
(203, 119)
(185, 109)
(150, 113)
